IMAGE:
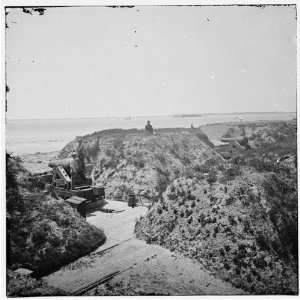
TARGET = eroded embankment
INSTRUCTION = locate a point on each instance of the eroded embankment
(238, 218)
(127, 161)
(233, 228)
(217, 131)
(43, 233)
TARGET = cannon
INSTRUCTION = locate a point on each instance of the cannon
(66, 187)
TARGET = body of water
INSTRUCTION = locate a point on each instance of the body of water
(31, 136)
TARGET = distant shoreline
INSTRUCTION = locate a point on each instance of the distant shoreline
(232, 113)
(155, 116)
(31, 136)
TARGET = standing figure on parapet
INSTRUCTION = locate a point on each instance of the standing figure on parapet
(149, 128)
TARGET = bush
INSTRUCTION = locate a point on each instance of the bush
(227, 248)
(261, 164)
(161, 158)
(14, 200)
(262, 241)
(232, 172)
(231, 220)
(188, 213)
(189, 172)
(206, 166)
(162, 182)
(201, 219)
(229, 200)
(216, 229)
(212, 176)
(109, 152)
(139, 160)
(139, 163)
(118, 143)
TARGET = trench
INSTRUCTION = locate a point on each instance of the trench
(123, 258)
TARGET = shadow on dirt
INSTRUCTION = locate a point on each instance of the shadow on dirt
(100, 206)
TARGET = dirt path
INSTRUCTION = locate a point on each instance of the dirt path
(151, 269)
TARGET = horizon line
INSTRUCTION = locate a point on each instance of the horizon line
(164, 115)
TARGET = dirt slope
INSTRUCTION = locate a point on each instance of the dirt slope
(244, 229)
(131, 160)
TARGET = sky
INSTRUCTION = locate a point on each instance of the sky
(150, 60)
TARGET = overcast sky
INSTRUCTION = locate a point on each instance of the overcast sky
(100, 61)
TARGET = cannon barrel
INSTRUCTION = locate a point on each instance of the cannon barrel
(65, 163)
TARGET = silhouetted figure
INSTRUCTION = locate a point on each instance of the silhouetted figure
(76, 170)
(149, 128)
(132, 200)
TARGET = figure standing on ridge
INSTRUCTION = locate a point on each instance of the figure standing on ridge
(149, 128)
